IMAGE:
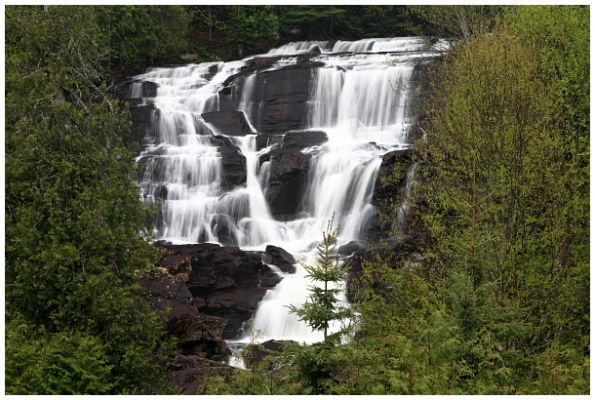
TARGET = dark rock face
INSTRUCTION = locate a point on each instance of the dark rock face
(282, 96)
(303, 139)
(169, 293)
(224, 281)
(289, 169)
(287, 182)
(160, 192)
(353, 247)
(285, 99)
(197, 334)
(222, 226)
(200, 126)
(200, 334)
(231, 123)
(143, 130)
(233, 162)
(388, 188)
(279, 257)
(123, 89)
(263, 140)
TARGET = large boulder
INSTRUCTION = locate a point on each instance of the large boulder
(129, 89)
(353, 247)
(169, 293)
(143, 129)
(264, 140)
(303, 139)
(284, 98)
(282, 94)
(233, 162)
(287, 182)
(289, 170)
(279, 257)
(200, 334)
(223, 227)
(230, 123)
(197, 334)
(224, 281)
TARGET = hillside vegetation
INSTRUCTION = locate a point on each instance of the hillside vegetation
(497, 300)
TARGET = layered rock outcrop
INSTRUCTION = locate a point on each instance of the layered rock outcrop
(223, 282)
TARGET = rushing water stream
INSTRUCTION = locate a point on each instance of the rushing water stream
(359, 94)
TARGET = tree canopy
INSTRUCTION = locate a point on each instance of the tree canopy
(74, 254)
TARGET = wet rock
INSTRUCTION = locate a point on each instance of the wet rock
(287, 182)
(388, 191)
(233, 162)
(171, 294)
(160, 192)
(279, 257)
(231, 123)
(283, 98)
(314, 51)
(225, 281)
(355, 246)
(201, 127)
(176, 258)
(226, 91)
(303, 139)
(262, 61)
(264, 140)
(282, 95)
(131, 90)
(223, 227)
(200, 334)
(143, 131)
(149, 89)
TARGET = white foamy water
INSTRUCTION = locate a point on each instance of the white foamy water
(360, 98)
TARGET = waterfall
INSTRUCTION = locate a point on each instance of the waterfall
(260, 226)
(359, 96)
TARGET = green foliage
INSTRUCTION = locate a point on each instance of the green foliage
(460, 21)
(73, 216)
(63, 363)
(274, 374)
(507, 224)
(253, 28)
(313, 20)
(322, 307)
(499, 304)
(141, 36)
(226, 32)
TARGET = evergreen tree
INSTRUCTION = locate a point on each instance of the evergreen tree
(74, 252)
(323, 305)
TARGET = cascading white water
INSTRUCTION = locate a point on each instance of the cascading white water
(359, 98)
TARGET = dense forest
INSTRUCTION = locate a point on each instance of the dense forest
(496, 300)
